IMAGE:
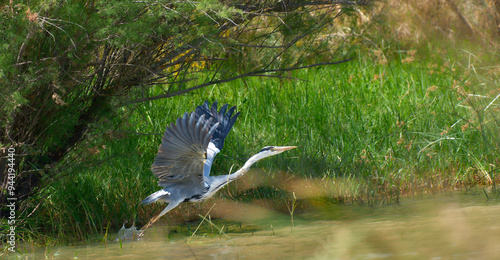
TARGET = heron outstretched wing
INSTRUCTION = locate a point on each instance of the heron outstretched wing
(225, 120)
(183, 151)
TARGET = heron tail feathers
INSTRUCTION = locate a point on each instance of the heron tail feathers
(156, 196)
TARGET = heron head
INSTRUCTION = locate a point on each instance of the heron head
(273, 150)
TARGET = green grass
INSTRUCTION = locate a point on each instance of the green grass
(369, 132)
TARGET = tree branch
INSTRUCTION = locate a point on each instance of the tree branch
(257, 73)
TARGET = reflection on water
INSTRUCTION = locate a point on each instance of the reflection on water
(449, 226)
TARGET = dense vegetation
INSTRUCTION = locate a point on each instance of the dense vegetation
(67, 65)
(399, 118)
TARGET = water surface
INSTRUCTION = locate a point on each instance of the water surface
(444, 226)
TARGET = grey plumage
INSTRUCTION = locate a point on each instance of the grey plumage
(186, 153)
(182, 152)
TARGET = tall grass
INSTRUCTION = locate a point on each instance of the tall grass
(391, 125)
(373, 130)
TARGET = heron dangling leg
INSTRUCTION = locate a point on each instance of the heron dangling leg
(170, 206)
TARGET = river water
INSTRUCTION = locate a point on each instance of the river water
(444, 226)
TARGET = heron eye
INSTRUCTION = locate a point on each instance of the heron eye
(267, 148)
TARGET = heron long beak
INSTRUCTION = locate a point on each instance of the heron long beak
(284, 148)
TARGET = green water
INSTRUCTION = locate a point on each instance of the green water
(444, 226)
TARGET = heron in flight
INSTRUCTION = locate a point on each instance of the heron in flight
(186, 153)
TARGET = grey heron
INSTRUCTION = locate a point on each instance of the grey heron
(187, 152)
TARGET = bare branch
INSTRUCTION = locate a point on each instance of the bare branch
(258, 73)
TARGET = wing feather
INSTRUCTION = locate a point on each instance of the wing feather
(226, 119)
(191, 126)
(182, 154)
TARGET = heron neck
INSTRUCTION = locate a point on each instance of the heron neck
(245, 168)
(223, 180)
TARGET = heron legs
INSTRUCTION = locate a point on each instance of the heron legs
(170, 206)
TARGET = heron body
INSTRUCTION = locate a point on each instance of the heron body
(187, 152)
